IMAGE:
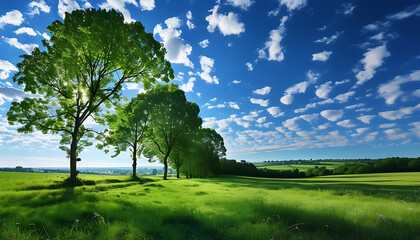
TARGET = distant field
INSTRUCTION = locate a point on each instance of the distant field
(369, 206)
(301, 167)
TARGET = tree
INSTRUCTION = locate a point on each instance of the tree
(127, 129)
(88, 58)
(203, 158)
(172, 117)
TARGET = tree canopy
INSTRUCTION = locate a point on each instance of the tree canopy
(86, 61)
(172, 118)
(127, 129)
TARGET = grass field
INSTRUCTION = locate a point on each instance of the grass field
(301, 167)
(370, 206)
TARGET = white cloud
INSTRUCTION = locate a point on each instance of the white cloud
(342, 82)
(366, 118)
(118, 5)
(324, 90)
(46, 36)
(37, 7)
(396, 134)
(244, 4)
(189, 15)
(312, 76)
(190, 24)
(359, 131)
(291, 124)
(213, 100)
(207, 65)
(321, 56)
(313, 105)
(147, 5)
(251, 117)
(373, 59)
(416, 129)
(6, 68)
(408, 12)
(261, 120)
(287, 99)
(71, 5)
(233, 105)
(387, 125)
(398, 114)
(227, 24)
(391, 90)
(173, 22)
(332, 115)
(26, 30)
(236, 82)
(305, 134)
(299, 87)
(275, 111)
(346, 124)
(263, 91)
(13, 17)
(188, 87)
(355, 106)
(204, 43)
(344, 97)
(10, 94)
(322, 28)
(261, 102)
(176, 50)
(323, 126)
(27, 48)
(275, 50)
(328, 40)
(309, 117)
(416, 93)
(293, 4)
(347, 9)
(249, 66)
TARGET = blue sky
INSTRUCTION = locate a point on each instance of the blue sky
(278, 79)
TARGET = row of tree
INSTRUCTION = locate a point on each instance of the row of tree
(82, 70)
(162, 125)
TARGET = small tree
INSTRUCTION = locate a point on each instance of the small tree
(172, 117)
(127, 129)
(88, 58)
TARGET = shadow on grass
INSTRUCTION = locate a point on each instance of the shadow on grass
(81, 182)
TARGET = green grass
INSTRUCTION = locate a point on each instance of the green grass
(301, 167)
(330, 207)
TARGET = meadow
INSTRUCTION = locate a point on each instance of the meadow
(365, 206)
(302, 167)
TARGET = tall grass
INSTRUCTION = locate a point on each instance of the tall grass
(372, 206)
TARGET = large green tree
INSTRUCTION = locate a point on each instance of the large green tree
(86, 61)
(172, 118)
(127, 128)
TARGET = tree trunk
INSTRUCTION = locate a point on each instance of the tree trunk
(177, 171)
(134, 167)
(73, 157)
(134, 162)
(165, 163)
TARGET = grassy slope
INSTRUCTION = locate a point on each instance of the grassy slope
(301, 167)
(330, 207)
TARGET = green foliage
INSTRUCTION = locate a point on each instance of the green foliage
(172, 118)
(381, 166)
(88, 58)
(127, 129)
(202, 157)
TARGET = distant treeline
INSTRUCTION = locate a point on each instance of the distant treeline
(244, 168)
(385, 165)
